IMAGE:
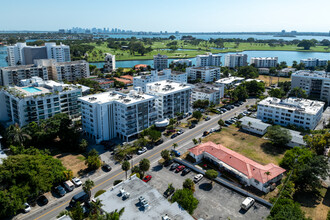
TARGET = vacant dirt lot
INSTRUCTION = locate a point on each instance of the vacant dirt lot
(74, 162)
(251, 146)
(274, 79)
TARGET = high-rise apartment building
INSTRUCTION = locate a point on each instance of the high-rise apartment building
(160, 62)
(208, 60)
(235, 60)
(264, 62)
(21, 54)
(313, 62)
(110, 63)
(36, 99)
(206, 74)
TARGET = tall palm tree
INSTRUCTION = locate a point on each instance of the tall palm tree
(125, 166)
(175, 145)
(96, 206)
(17, 135)
(87, 187)
(115, 215)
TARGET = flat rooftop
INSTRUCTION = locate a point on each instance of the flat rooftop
(229, 80)
(295, 104)
(312, 74)
(167, 86)
(203, 68)
(205, 88)
(107, 97)
(157, 207)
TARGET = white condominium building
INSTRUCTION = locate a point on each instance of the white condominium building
(315, 83)
(264, 62)
(36, 99)
(110, 63)
(21, 54)
(313, 62)
(291, 111)
(206, 74)
(203, 91)
(47, 69)
(160, 62)
(235, 60)
(166, 74)
(182, 62)
(116, 115)
(172, 98)
(227, 83)
(208, 60)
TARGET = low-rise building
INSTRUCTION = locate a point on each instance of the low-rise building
(286, 71)
(171, 98)
(127, 82)
(111, 115)
(235, 60)
(249, 172)
(291, 111)
(47, 69)
(313, 62)
(160, 62)
(208, 59)
(206, 74)
(37, 99)
(227, 83)
(264, 62)
(202, 91)
(140, 201)
(263, 71)
(166, 74)
(182, 62)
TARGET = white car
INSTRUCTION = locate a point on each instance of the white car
(76, 181)
(198, 177)
(27, 207)
(247, 203)
(143, 150)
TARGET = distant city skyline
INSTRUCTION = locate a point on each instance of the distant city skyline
(171, 16)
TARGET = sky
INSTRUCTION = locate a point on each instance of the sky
(167, 15)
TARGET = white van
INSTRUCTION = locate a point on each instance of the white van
(247, 203)
(69, 185)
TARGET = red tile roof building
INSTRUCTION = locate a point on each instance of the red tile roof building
(125, 81)
(249, 171)
(129, 77)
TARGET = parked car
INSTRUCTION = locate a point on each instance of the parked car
(174, 166)
(128, 157)
(168, 192)
(223, 109)
(176, 153)
(192, 126)
(42, 200)
(174, 135)
(167, 163)
(142, 150)
(80, 197)
(228, 122)
(180, 132)
(60, 190)
(159, 142)
(26, 207)
(207, 118)
(107, 167)
(147, 178)
(205, 133)
(198, 177)
(76, 181)
(69, 186)
(186, 171)
(180, 168)
(237, 104)
(247, 203)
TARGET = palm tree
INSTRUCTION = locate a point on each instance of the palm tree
(125, 166)
(96, 206)
(87, 187)
(175, 145)
(115, 215)
(249, 124)
(17, 135)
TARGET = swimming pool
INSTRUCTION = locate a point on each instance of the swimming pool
(31, 89)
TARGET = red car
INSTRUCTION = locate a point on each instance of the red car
(180, 168)
(147, 178)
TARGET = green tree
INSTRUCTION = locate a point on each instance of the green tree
(16, 135)
(93, 161)
(144, 165)
(96, 207)
(185, 198)
(306, 44)
(77, 212)
(195, 141)
(115, 215)
(221, 123)
(126, 166)
(83, 145)
(189, 184)
(317, 142)
(277, 93)
(278, 136)
(211, 174)
(165, 154)
(172, 37)
(286, 209)
(154, 135)
(197, 114)
(87, 187)
(175, 145)
(298, 92)
(248, 72)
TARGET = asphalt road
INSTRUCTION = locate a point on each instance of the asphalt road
(105, 181)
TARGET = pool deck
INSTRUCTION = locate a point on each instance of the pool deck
(27, 93)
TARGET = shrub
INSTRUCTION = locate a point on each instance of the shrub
(116, 182)
(100, 192)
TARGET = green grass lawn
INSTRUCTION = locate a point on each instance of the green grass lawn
(192, 50)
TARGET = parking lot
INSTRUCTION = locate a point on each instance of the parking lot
(215, 202)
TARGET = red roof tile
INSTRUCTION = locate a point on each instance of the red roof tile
(129, 77)
(239, 162)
